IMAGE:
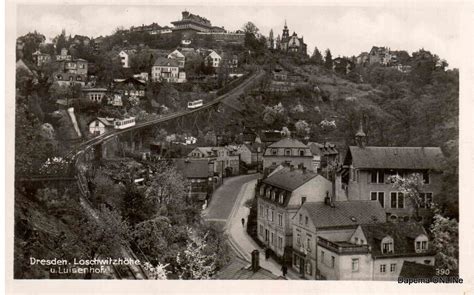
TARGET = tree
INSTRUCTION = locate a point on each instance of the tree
(194, 263)
(411, 187)
(60, 41)
(167, 186)
(317, 57)
(445, 233)
(302, 128)
(158, 272)
(250, 28)
(31, 43)
(328, 60)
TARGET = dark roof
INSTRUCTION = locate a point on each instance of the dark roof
(344, 213)
(239, 269)
(288, 143)
(161, 61)
(322, 149)
(416, 270)
(395, 157)
(192, 168)
(403, 234)
(289, 179)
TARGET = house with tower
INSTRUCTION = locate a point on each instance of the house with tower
(290, 43)
(365, 174)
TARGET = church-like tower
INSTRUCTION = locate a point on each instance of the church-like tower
(286, 32)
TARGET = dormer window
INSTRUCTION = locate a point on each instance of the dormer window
(274, 152)
(268, 193)
(387, 245)
(421, 243)
(281, 198)
(287, 152)
(301, 153)
(273, 196)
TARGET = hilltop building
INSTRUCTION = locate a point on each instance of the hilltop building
(290, 43)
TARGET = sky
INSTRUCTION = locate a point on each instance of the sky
(345, 30)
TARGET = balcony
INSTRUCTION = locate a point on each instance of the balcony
(343, 247)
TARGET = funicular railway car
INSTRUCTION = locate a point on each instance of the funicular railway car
(195, 104)
(124, 123)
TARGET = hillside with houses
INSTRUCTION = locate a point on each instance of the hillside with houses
(338, 168)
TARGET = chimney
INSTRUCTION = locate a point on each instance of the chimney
(255, 260)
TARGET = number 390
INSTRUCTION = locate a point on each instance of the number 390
(442, 272)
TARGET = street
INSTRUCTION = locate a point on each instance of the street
(227, 206)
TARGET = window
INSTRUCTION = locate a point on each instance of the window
(280, 243)
(273, 196)
(396, 200)
(287, 152)
(333, 261)
(271, 215)
(377, 176)
(266, 213)
(296, 260)
(308, 244)
(280, 219)
(322, 256)
(356, 240)
(425, 200)
(303, 199)
(393, 267)
(355, 264)
(272, 239)
(424, 245)
(298, 240)
(300, 219)
(274, 152)
(387, 247)
(378, 196)
(426, 177)
(280, 198)
(261, 230)
(306, 220)
(301, 153)
(382, 268)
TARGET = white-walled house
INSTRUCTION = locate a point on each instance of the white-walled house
(374, 252)
(177, 55)
(333, 220)
(99, 125)
(213, 59)
(279, 196)
(124, 59)
(167, 70)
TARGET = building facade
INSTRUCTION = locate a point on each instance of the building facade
(167, 70)
(288, 150)
(279, 197)
(374, 252)
(226, 159)
(290, 44)
(333, 220)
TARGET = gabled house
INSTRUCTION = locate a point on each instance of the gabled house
(289, 150)
(251, 153)
(374, 252)
(41, 58)
(226, 159)
(213, 59)
(100, 125)
(124, 59)
(167, 70)
(365, 172)
(200, 176)
(177, 55)
(71, 71)
(333, 220)
(326, 153)
(129, 88)
(279, 196)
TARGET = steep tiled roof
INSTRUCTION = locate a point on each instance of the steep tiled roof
(193, 168)
(288, 143)
(344, 213)
(166, 62)
(403, 235)
(322, 149)
(289, 179)
(395, 157)
(416, 270)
